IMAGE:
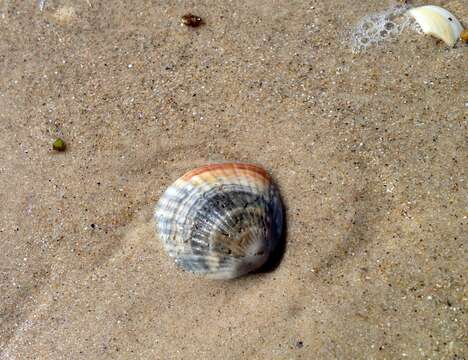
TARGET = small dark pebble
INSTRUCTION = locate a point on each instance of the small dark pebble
(191, 20)
(299, 344)
(59, 145)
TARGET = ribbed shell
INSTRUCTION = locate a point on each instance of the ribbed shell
(220, 220)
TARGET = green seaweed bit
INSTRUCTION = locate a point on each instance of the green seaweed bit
(59, 145)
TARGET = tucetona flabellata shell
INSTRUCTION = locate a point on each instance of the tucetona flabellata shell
(220, 220)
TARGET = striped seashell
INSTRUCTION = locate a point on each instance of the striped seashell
(220, 220)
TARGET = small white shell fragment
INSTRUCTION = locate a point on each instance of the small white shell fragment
(438, 22)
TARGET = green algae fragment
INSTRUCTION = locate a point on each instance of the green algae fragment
(59, 145)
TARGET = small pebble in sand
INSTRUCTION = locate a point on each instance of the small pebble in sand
(464, 36)
(59, 145)
(192, 20)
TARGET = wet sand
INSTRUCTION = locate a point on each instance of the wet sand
(368, 149)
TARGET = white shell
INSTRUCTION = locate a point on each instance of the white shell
(438, 22)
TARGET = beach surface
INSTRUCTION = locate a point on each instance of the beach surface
(368, 149)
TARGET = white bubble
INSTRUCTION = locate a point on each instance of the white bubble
(377, 28)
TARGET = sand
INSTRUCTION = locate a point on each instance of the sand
(368, 149)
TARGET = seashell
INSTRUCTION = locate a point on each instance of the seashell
(438, 22)
(220, 220)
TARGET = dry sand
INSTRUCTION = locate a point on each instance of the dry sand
(369, 151)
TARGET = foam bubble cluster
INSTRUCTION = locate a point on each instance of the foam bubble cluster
(375, 29)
